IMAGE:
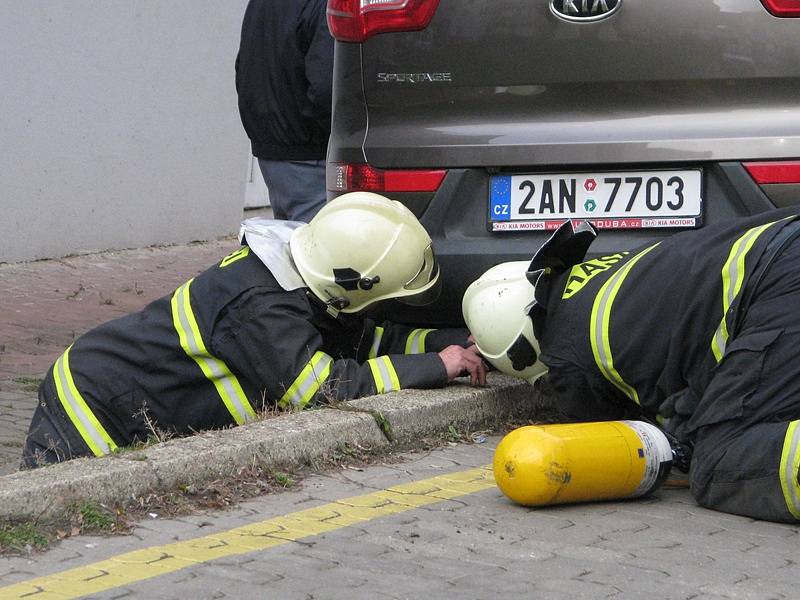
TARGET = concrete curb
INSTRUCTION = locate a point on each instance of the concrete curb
(283, 442)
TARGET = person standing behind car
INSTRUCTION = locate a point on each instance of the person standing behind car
(283, 81)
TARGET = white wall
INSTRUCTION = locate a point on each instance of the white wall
(118, 124)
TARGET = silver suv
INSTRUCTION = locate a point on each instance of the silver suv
(496, 120)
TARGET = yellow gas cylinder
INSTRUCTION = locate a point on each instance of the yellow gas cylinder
(578, 462)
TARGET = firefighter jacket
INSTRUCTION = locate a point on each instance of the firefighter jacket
(604, 323)
(646, 332)
(222, 347)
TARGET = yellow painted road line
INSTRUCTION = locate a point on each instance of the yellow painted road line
(131, 567)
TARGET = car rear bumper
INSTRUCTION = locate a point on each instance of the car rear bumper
(456, 218)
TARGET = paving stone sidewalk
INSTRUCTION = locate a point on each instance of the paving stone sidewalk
(469, 547)
(45, 305)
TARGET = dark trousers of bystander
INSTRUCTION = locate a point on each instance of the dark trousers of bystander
(296, 187)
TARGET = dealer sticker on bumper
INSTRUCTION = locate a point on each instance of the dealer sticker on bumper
(610, 200)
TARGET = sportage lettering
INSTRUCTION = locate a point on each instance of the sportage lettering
(444, 77)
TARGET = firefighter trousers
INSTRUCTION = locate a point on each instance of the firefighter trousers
(747, 439)
(51, 436)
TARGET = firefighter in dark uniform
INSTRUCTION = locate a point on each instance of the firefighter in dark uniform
(699, 332)
(276, 323)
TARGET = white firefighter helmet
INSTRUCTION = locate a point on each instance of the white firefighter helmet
(495, 311)
(362, 248)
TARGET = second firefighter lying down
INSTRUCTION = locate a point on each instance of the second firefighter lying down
(278, 322)
(700, 332)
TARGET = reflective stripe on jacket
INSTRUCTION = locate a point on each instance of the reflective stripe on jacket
(225, 345)
(674, 304)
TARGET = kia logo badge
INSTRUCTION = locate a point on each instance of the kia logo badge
(584, 11)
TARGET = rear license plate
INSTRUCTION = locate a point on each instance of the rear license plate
(611, 200)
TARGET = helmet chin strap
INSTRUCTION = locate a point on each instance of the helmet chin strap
(333, 306)
(337, 303)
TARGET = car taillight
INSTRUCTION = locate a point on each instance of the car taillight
(774, 172)
(783, 8)
(363, 177)
(357, 20)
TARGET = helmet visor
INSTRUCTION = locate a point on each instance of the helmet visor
(427, 296)
(428, 271)
(426, 280)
